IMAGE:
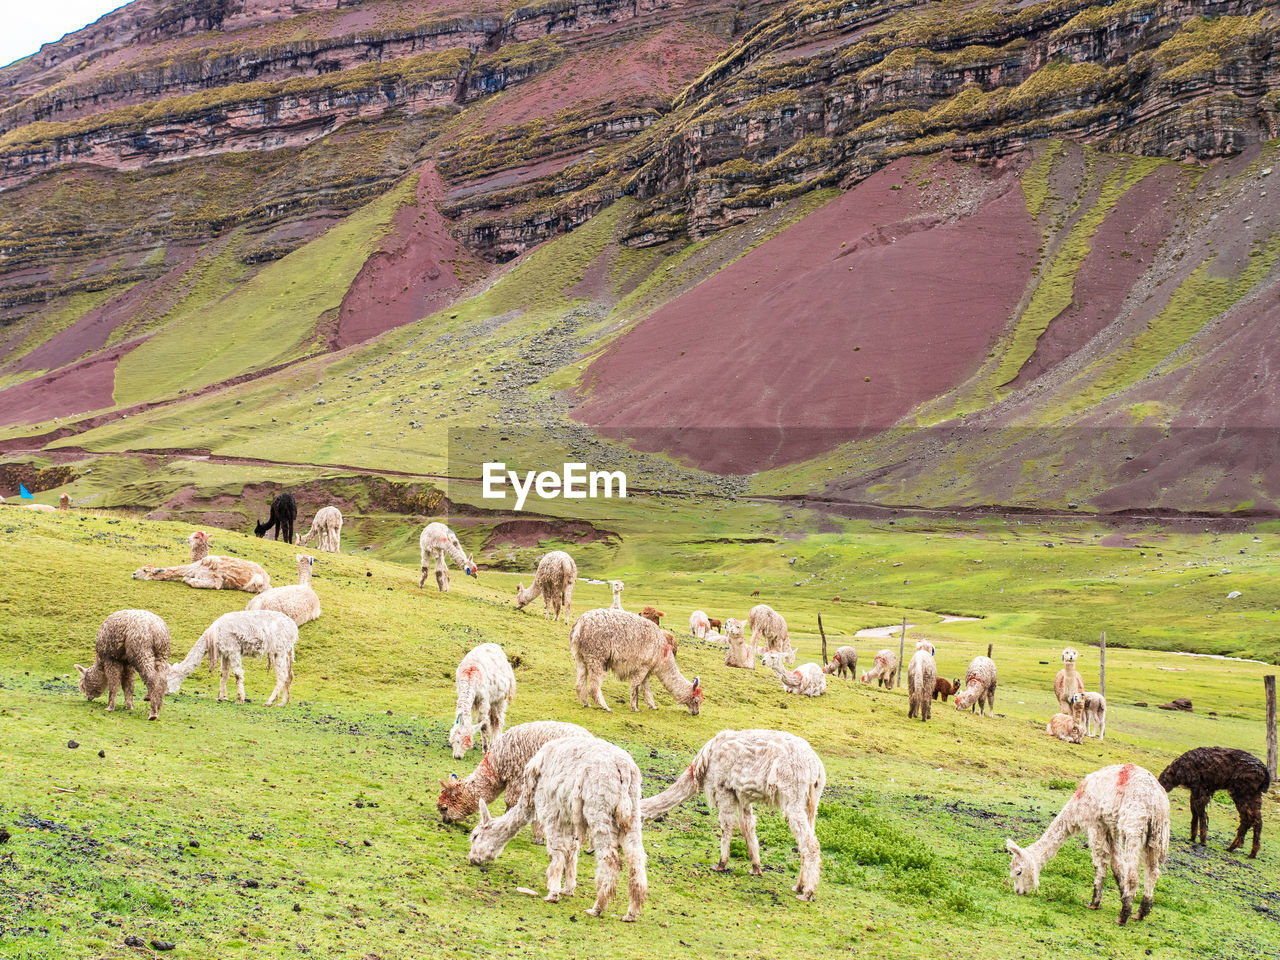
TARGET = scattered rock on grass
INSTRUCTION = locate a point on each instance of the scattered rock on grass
(1181, 703)
(72, 745)
(161, 945)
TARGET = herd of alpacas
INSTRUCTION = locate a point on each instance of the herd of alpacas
(571, 787)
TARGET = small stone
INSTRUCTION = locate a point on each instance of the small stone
(251, 884)
(255, 836)
(102, 753)
(161, 945)
(297, 908)
(194, 844)
(72, 745)
(132, 941)
(4, 835)
(368, 843)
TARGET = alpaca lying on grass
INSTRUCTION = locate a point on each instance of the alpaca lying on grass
(699, 624)
(1095, 714)
(616, 586)
(808, 680)
(1205, 771)
(554, 580)
(577, 787)
(212, 573)
(129, 641)
(634, 649)
(653, 614)
(1125, 812)
(922, 677)
(486, 686)
(769, 631)
(502, 770)
(739, 652)
(979, 686)
(844, 661)
(1067, 726)
(437, 542)
(326, 527)
(239, 634)
(284, 513)
(1068, 682)
(884, 669)
(738, 768)
(297, 601)
(942, 687)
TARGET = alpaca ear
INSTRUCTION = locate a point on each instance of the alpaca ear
(1011, 847)
(453, 777)
(444, 785)
(696, 682)
(485, 816)
(82, 670)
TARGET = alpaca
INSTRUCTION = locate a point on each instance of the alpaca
(128, 641)
(239, 634)
(922, 677)
(212, 573)
(979, 686)
(884, 669)
(554, 580)
(284, 513)
(739, 653)
(297, 601)
(1095, 714)
(808, 680)
(616, 586)
(844, 661)
(714, 636)
(577, 788)
(39, 507)
(1068, 681)
(1205, 771)
(737, 768)
(326, 527)
(942, 687)
(653, 614)
(438, 541)
(769, 631)
(714, 623)
(1066, 727)
(502, 769)
(1125, 812)
(486, 686)
(64, 502)
(699, 624)
(635, 649)
(198, 541)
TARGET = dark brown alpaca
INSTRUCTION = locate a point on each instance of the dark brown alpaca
(942, 687)
(129, 641)
(1205, 771)
(715, 624)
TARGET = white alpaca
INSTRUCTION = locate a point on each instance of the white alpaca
(922, 676)
(199, 544)
(769, 631)
(1125, 812)
(884, 669)
(616, 586)
(634, 649)
(239, 634)
(326, 527)
(297, 601)
(1095, 714)
(739, 652)
(979, 686)
(436, 542)
(808, 680)
(715, 636)
(212, 573)
(554, 579)
(1068, 682)
(578, 788)
(737, 768)
(699, 624)
(486, 686)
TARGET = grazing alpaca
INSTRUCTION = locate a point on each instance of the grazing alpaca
(239, 634)
(634, 649)
(616, 586)
(554, 580)
(769, 631)
(326, 527)
(1068, 682)
(699, 624)
(739, 652)
(577, 787)
(922, 677)
(212, 573)
(128, 641)
(737, 768)
(884, 669)
(64, 502)
(653, 614)
(1205, 771)
(436, 542)
(844, 660)
(1125, 812)
(284, 513)
(1095, 714)
(297, 601)
(198, 541)
(979, 686)
(1067, 726)
(502, 769)
(942, 687)
(808, 680)
(714, 623)
(486, 686)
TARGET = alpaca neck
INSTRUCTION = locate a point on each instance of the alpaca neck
(505, 827)
(1064, 826)
(456, 554)
(483, 782)
(462, 715)
(526, 594)
(788, 678)
(617, 600)
(304, 573)
(200, 550)
(192, 660)
(686, 785)
(669, 676)
(172, 573)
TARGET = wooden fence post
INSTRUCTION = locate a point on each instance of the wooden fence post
(989, 651)
(1269, 684)
(902, 643)
(1102, 665)
(824, 640)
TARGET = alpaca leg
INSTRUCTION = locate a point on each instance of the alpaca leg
(637, 876)
(126, 684)
(155, 684)
(635, 693)
(581, 684)
(1255, 807)
(608, 865)
(648, 694)
(1200, 816)
(222, 685)
(724, 806)
(568, 600)
(747, 827)
(237, 669)
(571, 869)
(1151, 866)
(112, 670)
(810, 855)
(1100, 850)
(926, 707)
(558, 849)
(1120, 870)
(282, 676)
(597, 687)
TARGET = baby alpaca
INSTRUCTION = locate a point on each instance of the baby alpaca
(1068, 682)
(553, 579)
(297, 601)
(653, 614)
(1066, 726)
(326, 527)
(942, 687)
(738, 768)
(844, 661)
(699, 624)
(436, 542)
(922, 676)
(235, 635)
(769, 631)
(1205, 771)
(486, 686)
(884, 669)
(1095, 714)
(64, 502)
(979, 686)
(129, 641)
(1125, 812)
(808, 680)
(739, 652)
(577, 787)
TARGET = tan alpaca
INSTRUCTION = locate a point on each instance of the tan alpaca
(769, 631)
(634, 649)
(738, 768)
(235, 635)
(577, 787)
(699, 624)
(437, 542)
(844, 660)
(739, 652)
(554, 580)
(884, 669)
(807, 680)
(1068, 682)
(64, 502)
(486, 686)
(1125, 812)
(326, 527)
(297, 601)
(129, 641)
(1068, 726)
(922, 676)
(212, 573)
(979, 687)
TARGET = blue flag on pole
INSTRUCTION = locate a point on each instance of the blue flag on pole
(23, 492)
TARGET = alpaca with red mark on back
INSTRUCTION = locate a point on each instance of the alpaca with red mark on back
(884, 669)
(1125, 812)
(699, 624)
(128, 642)
(634, 649)
(807, 680)
(554, 580)
(769, 631)
(1206, 770)
(979, 687)
(486, 686)
(437, 542)
(843, 661)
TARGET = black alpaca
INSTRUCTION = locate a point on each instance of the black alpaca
(1206, 770)
(283, 512)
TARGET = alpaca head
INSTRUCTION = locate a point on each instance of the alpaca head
(965, 698)
(616, 587)
(144, 573)
(733, 627)
(772, 658)
(926, 646)
(695, 701)
(92, 682)
(1069, 655)
(459, 739)
(1024, 871)
(486, 841)
(519, 595)
(173, 681)
(470, 568)
(455, 801)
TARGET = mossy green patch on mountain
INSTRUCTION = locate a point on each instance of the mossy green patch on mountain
(1036, 178)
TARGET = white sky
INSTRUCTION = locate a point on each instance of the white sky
(26, 24)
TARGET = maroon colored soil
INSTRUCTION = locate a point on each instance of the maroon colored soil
(84, 386)
(768, 361)
(530, 533)
(418, 270)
